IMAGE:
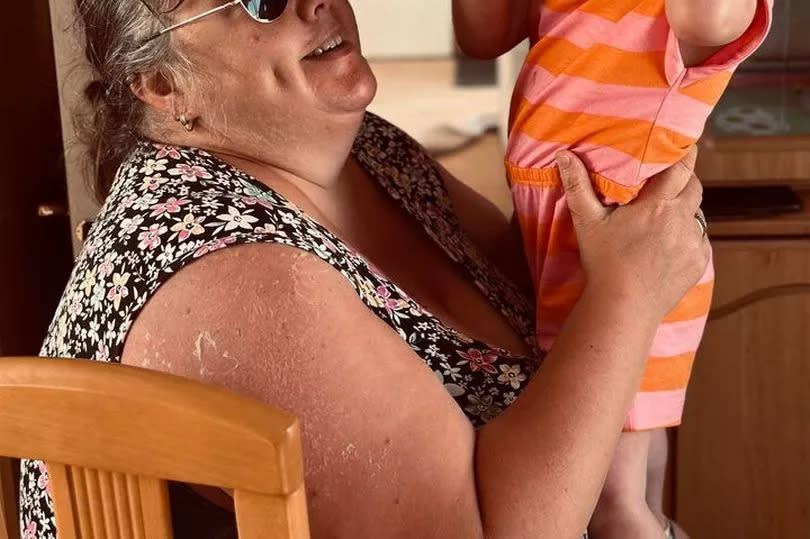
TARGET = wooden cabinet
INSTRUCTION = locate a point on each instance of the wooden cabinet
(742, 460)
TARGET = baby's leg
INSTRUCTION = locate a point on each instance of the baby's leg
(656, 477)
(622, 511)
(657, 472)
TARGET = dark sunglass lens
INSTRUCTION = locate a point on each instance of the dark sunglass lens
(265, 10)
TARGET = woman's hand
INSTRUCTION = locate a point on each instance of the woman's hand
(653, 249)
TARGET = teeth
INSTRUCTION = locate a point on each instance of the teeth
(332, 43)
(327, 46)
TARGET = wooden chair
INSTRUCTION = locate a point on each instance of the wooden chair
(113, 435)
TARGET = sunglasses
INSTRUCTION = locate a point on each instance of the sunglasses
(263, 11)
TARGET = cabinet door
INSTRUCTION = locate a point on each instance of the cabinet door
(743, 451)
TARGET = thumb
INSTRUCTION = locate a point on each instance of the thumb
(583, 203)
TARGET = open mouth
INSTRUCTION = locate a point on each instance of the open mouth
(326, 47)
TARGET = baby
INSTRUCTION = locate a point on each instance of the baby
(627, 85)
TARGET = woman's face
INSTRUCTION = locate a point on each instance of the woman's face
(268, 80)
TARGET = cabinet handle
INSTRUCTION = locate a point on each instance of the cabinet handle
(51, 210)
(755, 297)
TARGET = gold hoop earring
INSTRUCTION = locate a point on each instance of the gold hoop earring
(187, 124)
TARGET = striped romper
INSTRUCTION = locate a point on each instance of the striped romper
(605, 79)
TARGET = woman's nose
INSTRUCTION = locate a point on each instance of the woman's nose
(310, 9)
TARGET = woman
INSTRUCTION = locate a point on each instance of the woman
(338, 274)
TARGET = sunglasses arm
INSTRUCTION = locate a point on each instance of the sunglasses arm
(196, 18)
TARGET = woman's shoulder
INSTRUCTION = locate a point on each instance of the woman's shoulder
(168, 208)
(172, 200)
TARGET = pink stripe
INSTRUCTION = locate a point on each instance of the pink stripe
(682, 114)
(540, 207)
(678, 338)
(633, 33)
(655, 410)
(526, 152)
(709, 274)
(561, 269)
(648, 170)
(539, 204)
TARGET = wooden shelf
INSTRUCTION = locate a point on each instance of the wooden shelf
(786, 225)
(754, 162)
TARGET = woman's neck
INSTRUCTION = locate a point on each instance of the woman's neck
(315, 172)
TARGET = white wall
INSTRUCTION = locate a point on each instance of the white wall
(405, 28)
(72, 75)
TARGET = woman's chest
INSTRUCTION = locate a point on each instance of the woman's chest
(420, 260)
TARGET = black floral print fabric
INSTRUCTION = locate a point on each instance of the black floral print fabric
(170, 206)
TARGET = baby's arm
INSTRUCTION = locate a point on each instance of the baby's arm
(488, 28)
(704, 26)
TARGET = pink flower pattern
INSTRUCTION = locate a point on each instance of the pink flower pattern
(150, 237)
(167, 151)
(215, 245)
(171, 205)
(479, 360)
(190, 173)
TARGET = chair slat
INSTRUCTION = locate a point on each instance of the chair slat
(94, 501)
(122, 506)
(9, 527)
(157, 518)
(134, 502)
(64, 505)
(108, 506)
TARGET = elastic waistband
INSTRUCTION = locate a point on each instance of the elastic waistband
(549, 177)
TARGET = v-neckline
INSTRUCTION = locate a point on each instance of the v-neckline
(427, 201)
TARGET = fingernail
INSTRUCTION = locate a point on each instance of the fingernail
(563, 161)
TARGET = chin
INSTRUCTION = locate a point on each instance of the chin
(364, 90)
(351, 93)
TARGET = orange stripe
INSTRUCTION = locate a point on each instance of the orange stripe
(600, 63)
(562, 238)
(695, 304)
(651, 8)
(667, 146)
(552, 237)
(613, 10)
(562, 6)
(710, 89)
(667, 373)
(555, 302)
(550, 124)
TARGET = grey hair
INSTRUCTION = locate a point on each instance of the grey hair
(116, 45)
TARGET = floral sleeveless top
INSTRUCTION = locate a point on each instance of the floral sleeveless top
(170, 206)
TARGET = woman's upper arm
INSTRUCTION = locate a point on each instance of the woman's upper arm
(387, 453)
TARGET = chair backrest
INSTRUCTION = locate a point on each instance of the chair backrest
(112, 435)
(9, 527)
